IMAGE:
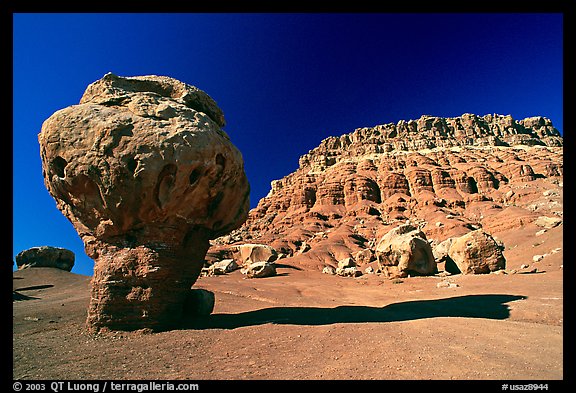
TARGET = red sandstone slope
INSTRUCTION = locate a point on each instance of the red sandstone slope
(447, 175)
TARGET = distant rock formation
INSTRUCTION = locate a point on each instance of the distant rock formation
(447, 176)
(46, 256)
(143, 170)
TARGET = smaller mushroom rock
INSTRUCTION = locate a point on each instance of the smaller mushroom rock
(46, 256)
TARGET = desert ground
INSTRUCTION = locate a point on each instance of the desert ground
(305, 325)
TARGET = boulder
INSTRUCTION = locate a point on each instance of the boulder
(220, 268)
(329, 270)
(405, 251)
(259, 270)
(351, 271)
(346, 263)
(146, 175)
(46, 256)
(475, 253)
(440, 251)
(548, 222)
(198, 302)
(224, 266)
(247, 254)
(364, 256)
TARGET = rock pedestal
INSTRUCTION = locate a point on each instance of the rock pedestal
(143, 170)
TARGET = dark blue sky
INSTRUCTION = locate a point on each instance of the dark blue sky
(284, 81)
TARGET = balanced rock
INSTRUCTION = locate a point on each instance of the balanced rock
(46, 256)
(475, 253)
(403, 251)
(143, 170)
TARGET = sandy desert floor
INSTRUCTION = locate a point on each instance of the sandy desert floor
(302, 325)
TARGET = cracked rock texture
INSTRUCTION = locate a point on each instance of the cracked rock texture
(145, 173)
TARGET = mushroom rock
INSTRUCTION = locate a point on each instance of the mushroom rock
(46, 256)
(143, 170)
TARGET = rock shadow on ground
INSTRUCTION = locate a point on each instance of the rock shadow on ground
(490, 306)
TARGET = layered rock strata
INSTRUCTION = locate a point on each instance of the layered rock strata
(448, 176)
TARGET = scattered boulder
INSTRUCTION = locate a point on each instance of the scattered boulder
(225, 266)
(347, 268)
(548, 222)
(365, 256)
(446, 284)
(46, 256)
(220, 268)
(405, 251)
(440, 251)
(346, 263)
(351, 271)
(198, 302)
(537, 258)
(329, 270)
(475, 253)
(259, 270)
(145, 173)
(250, 253)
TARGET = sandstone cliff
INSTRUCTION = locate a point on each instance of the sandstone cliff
(448, 176)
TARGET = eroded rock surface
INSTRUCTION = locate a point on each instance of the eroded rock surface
(143, 170)
(448, 176)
